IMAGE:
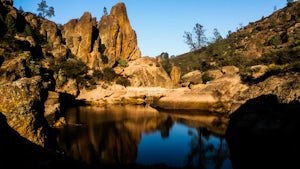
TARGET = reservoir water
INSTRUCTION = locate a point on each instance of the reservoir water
(125, 135)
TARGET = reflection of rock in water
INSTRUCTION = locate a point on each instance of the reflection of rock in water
(263, 134)
(165, 127)
(111, 137)
(214, 123)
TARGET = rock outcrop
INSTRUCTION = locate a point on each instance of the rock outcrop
(285, 87)
(264, 126)
(112, 37)
(175, 74)
(21, 104)
(82, 39)
(193, 78)
(117, 35)
(146, 72)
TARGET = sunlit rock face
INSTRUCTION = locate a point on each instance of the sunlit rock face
(81, 37)
(112, 37)
(145, 72)
(117, 35)
(175, 74)
(194, 77)
(20, 102)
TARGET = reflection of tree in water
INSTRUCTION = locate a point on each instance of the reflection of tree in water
(205, 152)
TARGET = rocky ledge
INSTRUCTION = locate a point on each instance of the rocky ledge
(223, 95)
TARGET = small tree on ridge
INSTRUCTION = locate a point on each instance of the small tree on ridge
(45, 10)
(201, 39)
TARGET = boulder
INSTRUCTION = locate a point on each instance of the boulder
(146, 72)
(230, 70)
(21, 104)
(194, 77)
(175, 74)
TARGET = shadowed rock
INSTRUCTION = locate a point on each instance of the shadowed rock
(262, 133)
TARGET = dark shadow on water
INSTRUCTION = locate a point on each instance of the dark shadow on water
(264, 134)
(18, 152)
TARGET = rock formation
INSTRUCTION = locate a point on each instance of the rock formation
(285, 87)
(82, 39)
(175, 74)
(117, 35)
(21, 104)
(146, 72)
(112, 37)
(194, 78)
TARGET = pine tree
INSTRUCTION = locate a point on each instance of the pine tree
(45, 10)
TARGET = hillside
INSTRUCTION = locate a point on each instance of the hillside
(272, 40)
(79, 54)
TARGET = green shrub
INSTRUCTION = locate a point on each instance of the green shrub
(109, 74)
(35, 68)
(206, 78)
(28, 30)
(123, 63)
(72, 67)
(102, 48)
(98, 75)
(104, 59)
(10, 24)
(275, 40)
(123, 81)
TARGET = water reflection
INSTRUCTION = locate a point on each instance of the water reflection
(124, 135)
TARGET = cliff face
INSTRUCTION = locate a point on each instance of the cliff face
(117, 35)
(112, 37)
(82, 39)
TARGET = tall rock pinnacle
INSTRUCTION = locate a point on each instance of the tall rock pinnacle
(84, 36)
(117, 35)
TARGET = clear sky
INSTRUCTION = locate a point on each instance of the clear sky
(160, 24)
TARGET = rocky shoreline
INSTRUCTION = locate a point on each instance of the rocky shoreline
(45, 68)
(214, 96)
(282, 89)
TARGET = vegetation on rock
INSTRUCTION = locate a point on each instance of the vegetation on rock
(271, 40)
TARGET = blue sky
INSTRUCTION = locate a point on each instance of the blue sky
(160, 24)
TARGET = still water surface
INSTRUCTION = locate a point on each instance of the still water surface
(123, 135)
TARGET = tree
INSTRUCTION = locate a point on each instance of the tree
(21, 9)
(45, 10)
(189, 40)
(217, 35)
(10, 25)
(289, 2)
(105, 13)
(201, 39)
